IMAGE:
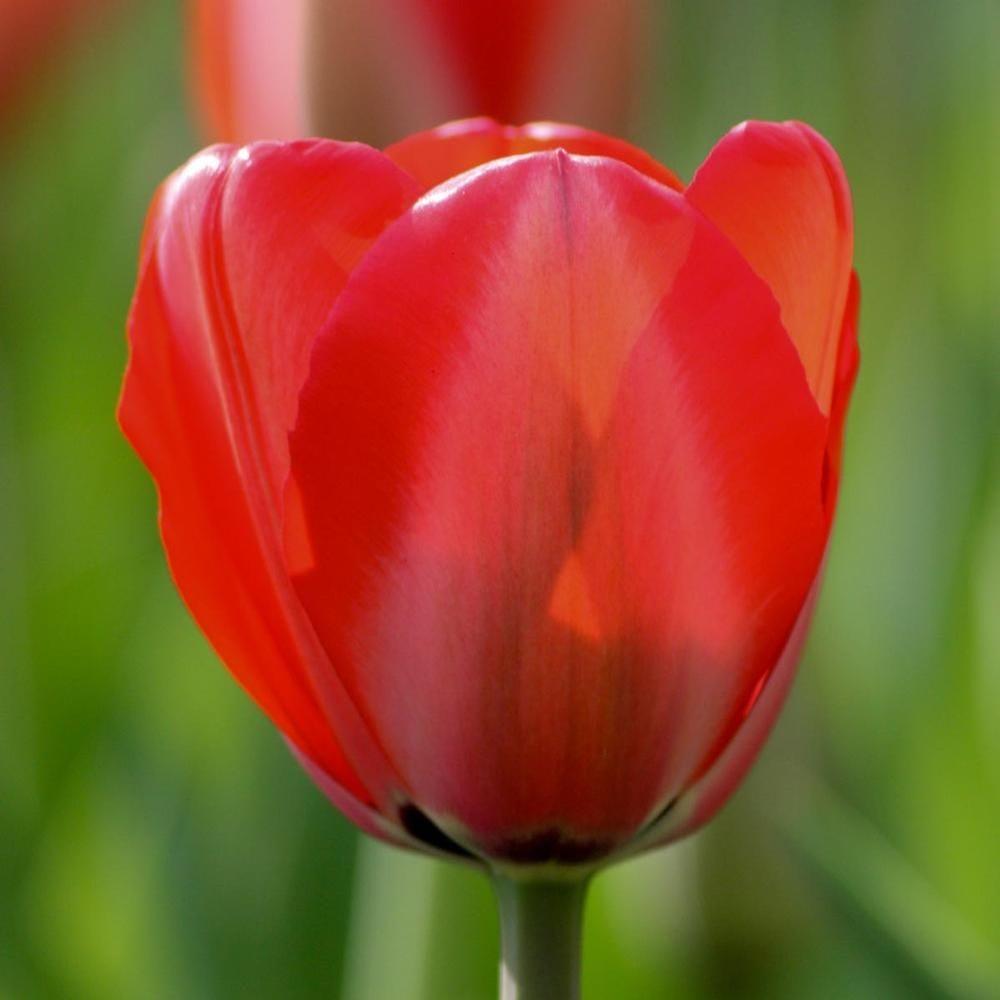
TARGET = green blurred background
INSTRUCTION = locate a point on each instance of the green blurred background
(156, 840)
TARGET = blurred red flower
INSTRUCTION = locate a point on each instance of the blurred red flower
(504, 492)
(32, 34)
(372, 69)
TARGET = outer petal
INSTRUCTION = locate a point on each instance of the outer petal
(245, 255)
(560, 476)
(696, 805)
(779, 193)
(440, 153)
(248, 67)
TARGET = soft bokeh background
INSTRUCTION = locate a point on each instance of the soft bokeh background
(155, 838)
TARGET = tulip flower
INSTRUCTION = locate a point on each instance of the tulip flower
(499, 468)
(366, 69)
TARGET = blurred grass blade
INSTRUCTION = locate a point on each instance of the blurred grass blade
(389, 939)
(874, 885)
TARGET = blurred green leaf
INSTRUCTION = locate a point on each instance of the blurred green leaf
(938, 951)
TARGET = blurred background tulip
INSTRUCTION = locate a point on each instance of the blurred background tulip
(34, 34)
(155, 838)
(375, 70)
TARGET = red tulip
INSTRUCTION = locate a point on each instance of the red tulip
(367, 68)
(502, 482)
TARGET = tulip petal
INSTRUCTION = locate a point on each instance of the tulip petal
(692, 808)
(778, 191)
(244, 257)
(560, 477)
(434, 156)
(699, 803)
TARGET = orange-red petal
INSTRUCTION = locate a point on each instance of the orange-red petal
(245, 254)
(778, 191)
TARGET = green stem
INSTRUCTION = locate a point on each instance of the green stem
(541, 923)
